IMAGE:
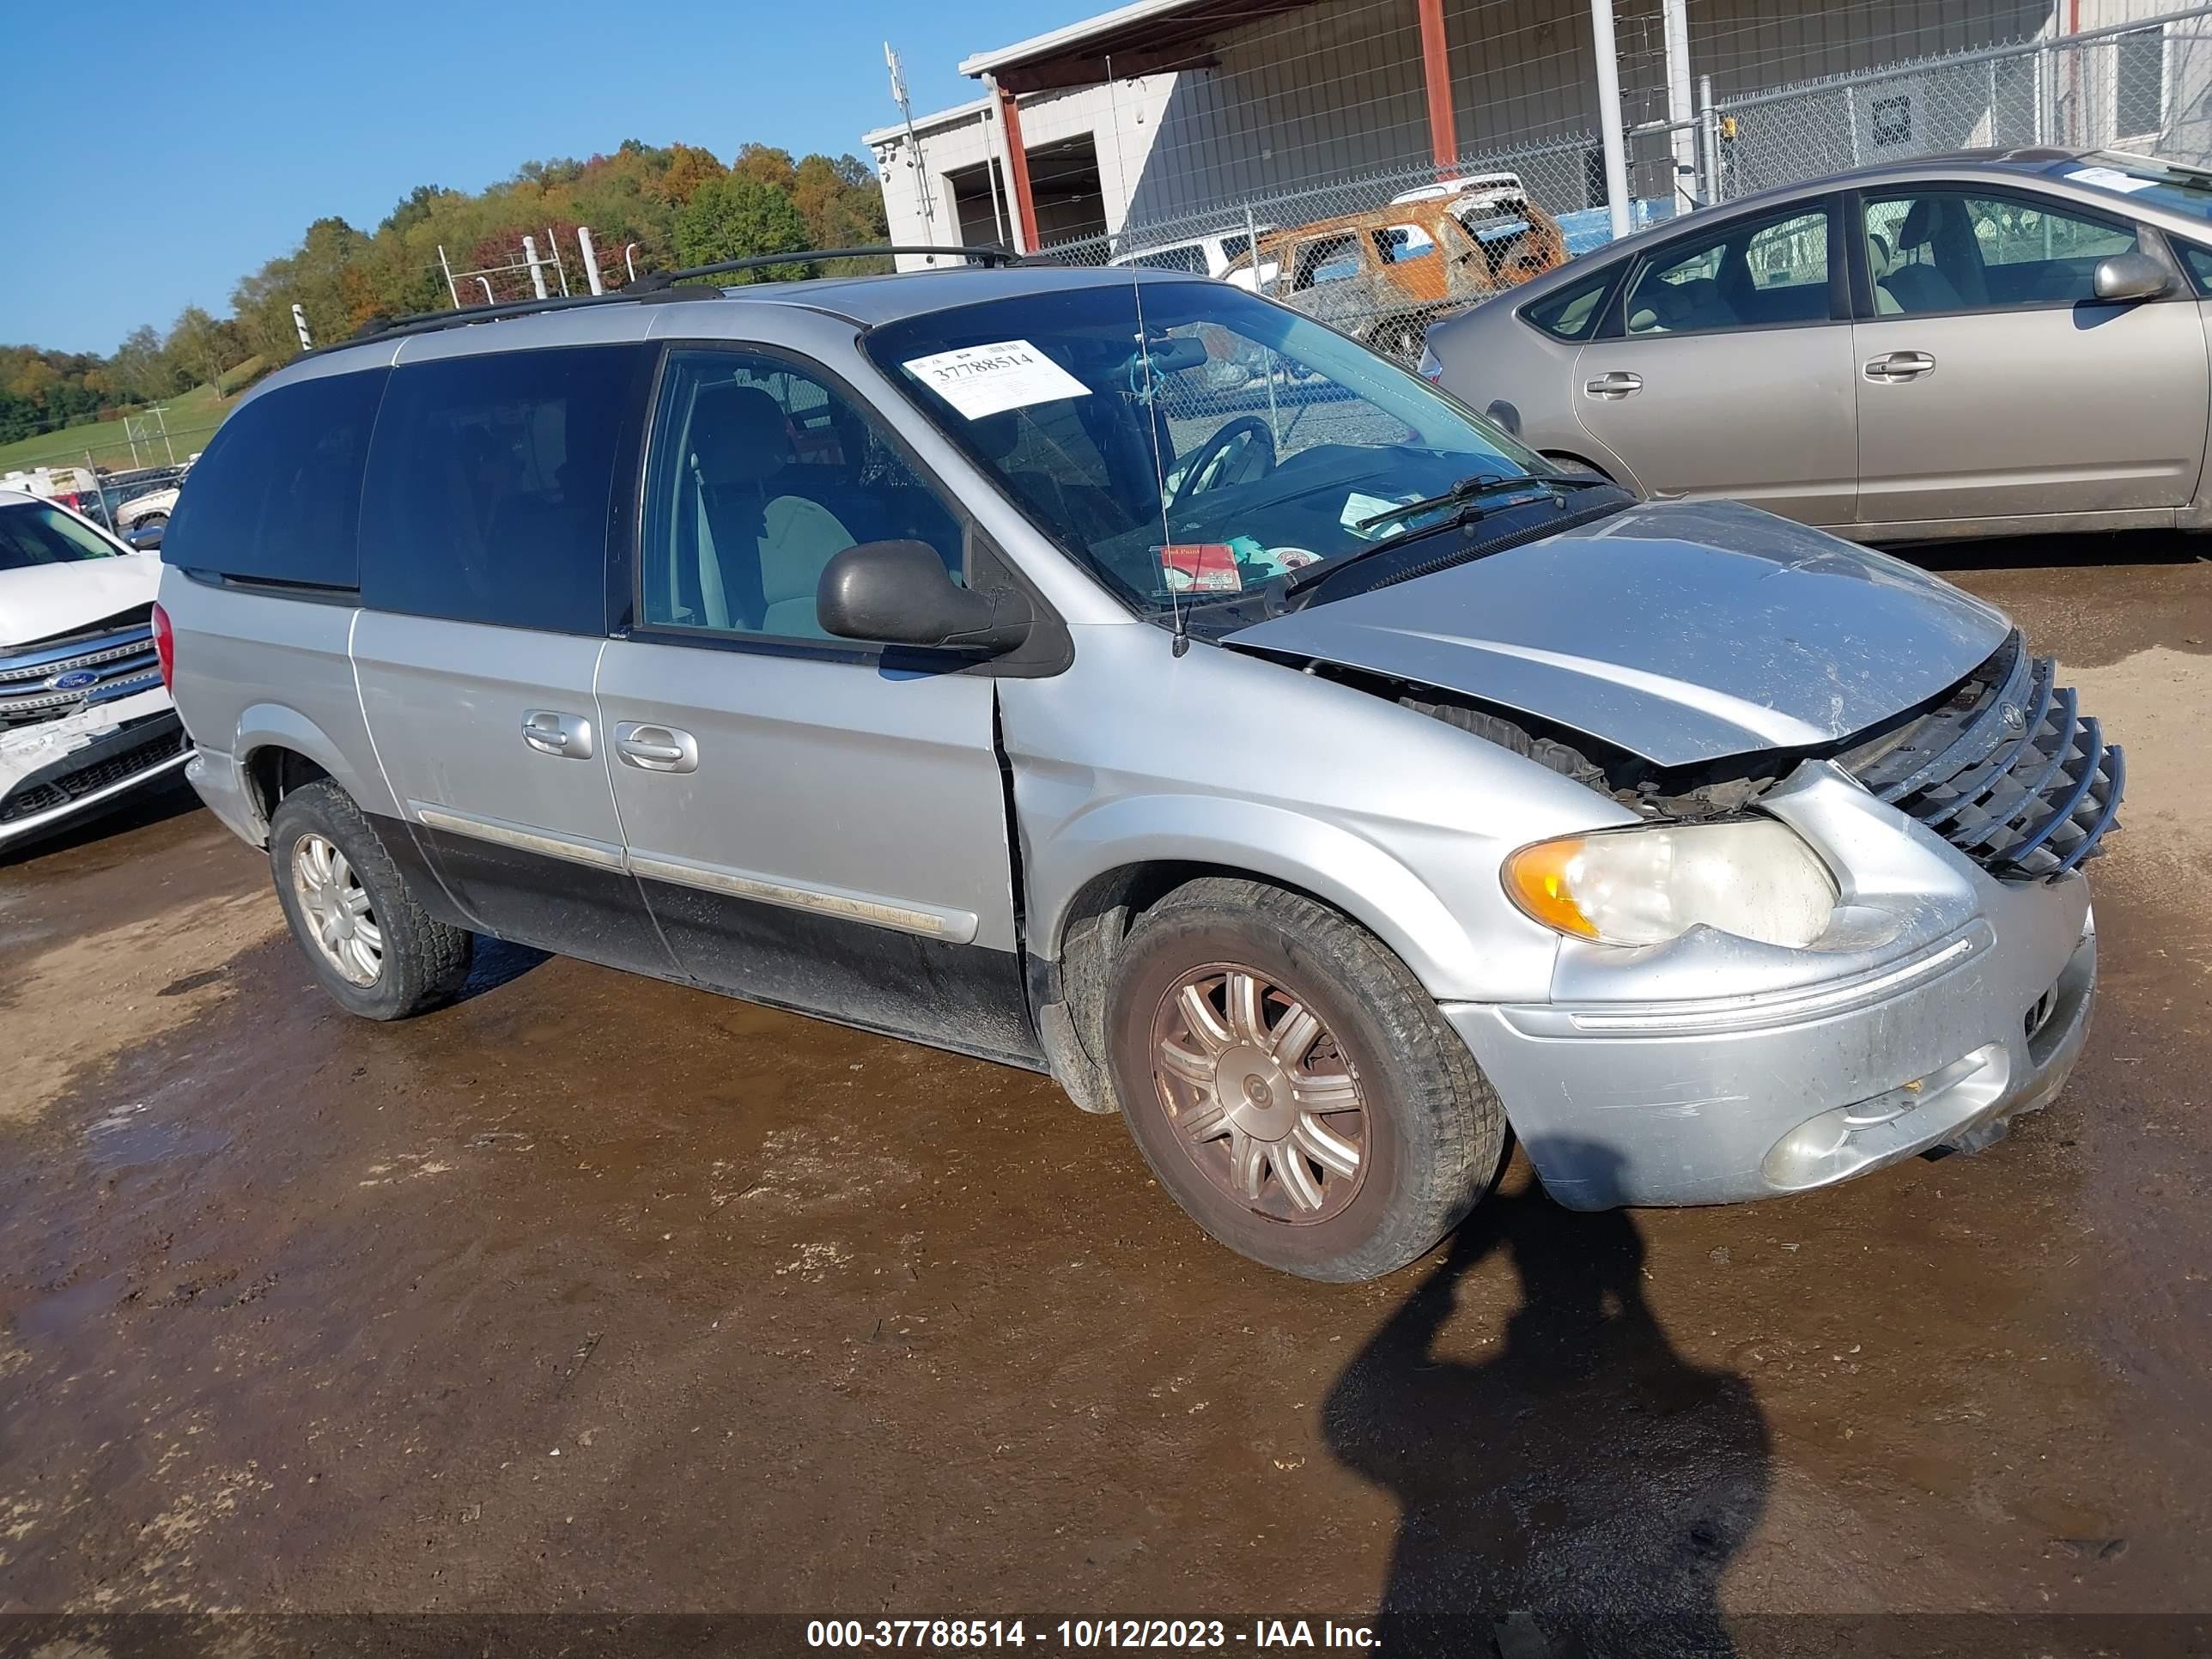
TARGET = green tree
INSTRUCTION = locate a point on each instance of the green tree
(193, 352)
(843, 206)
(414, 207)
(136, 368)
(737, 217)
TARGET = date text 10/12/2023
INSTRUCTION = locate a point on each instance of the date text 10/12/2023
(1083, 1634)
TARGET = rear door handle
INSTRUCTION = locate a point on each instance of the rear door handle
(656, 748)
(568, 737)
(1896, 365)
(1616, 384)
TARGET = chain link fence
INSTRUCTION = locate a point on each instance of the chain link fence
(2144, 86)
(1370, 254)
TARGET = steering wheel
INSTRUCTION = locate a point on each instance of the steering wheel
(1210, 451)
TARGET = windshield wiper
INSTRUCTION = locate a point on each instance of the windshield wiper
(1482, 483)
(1464, 494)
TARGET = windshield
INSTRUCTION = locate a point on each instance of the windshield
(2173, 185)
(36, 533)
(1187, 441)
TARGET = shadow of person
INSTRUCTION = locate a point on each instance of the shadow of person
(1585, 1476)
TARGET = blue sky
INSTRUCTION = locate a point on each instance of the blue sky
(182, 147)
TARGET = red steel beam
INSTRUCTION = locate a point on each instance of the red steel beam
(1017, 169)
(1436, 75)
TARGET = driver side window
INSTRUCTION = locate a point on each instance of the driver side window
(760, 474)
(1944, 250)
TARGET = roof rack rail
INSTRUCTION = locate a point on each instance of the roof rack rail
(655, 280)
(653, 286)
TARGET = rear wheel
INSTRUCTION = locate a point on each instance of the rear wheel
(151, 521)
(1292, 1085)
(365, 936)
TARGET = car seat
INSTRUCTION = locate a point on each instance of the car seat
(762, 550)
(1915, 287)
(1663, 308)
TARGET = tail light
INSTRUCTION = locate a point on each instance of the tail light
(165, 647)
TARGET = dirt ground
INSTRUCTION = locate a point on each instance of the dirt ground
(593, 1293)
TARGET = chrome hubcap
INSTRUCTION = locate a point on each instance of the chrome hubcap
(1262, 1098)
(336, 906)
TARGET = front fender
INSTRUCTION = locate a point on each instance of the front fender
(1360, 879)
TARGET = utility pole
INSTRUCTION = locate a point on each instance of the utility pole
(922, 189)
(591, 258)
(300, 322)
(1607, 53)
(1681, 110)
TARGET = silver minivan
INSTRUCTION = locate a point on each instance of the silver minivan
(1285, 760)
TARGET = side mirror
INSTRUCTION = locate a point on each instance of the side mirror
(2135, 276)
(900, 593)
(146, 539)
(1505, 415)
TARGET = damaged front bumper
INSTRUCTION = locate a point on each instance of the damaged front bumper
(1940, 1003)
(55, 769)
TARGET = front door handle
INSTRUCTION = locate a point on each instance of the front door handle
(656, 748)
(568, 737)
(1616, 384)
(1896, 365)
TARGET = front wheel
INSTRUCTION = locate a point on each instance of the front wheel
(1292, 1085)
(365, 934)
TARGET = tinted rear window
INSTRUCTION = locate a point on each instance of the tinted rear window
(276, 497)
(491, 482)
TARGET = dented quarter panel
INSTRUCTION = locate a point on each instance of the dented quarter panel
(1681, 631)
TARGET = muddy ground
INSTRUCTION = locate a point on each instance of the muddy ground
(591, 1292)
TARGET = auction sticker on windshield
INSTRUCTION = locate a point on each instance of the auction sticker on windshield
(2109, 179)
(990, 380)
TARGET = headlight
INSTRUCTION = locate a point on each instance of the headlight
(1755, 880)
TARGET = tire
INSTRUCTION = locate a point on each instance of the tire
(420, 961)
(1429, 1131)
(152, 520)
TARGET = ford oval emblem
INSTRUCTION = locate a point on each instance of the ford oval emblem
(76, 680)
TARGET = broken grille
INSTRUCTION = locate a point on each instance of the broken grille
(2009, 771)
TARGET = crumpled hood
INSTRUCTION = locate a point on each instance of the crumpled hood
(1681, 631)
(46, 599)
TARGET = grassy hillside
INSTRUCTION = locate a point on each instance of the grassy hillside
(192, 418)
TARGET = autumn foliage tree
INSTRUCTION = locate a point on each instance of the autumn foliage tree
(649, 206)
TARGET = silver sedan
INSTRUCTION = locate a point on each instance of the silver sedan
(1978, 344)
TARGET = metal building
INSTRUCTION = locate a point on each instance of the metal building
(1165, 110)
